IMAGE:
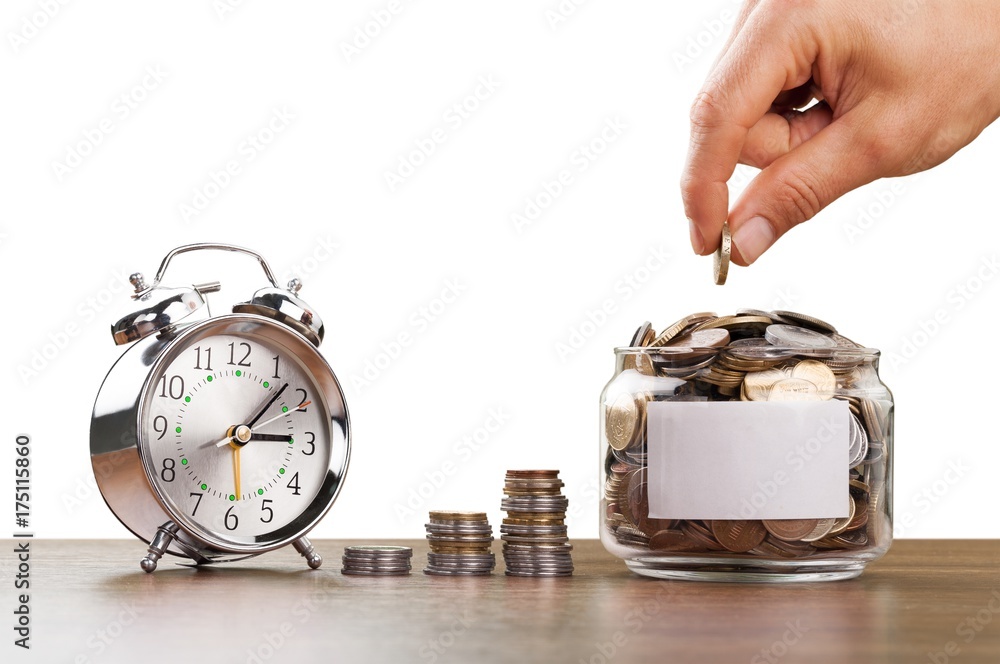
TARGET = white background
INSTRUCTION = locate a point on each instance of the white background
(877, 264)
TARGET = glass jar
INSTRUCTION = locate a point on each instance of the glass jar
(746, 461)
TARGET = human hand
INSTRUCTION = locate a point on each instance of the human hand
(902, 87)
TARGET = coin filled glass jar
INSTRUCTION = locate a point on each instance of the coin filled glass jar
(752, 447)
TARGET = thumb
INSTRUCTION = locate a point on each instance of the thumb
(797, 185)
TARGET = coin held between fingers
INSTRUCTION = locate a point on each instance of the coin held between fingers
(722, 256)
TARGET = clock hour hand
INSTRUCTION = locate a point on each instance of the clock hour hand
(274, 437)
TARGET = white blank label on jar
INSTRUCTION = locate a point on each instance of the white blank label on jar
(748, 459)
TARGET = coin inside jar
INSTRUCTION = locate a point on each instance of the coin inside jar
(622, 423)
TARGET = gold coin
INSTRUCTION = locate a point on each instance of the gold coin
(793, 389)
(819, 375)
(842, 524)
(622, 422)
(823, 528)
(457, 516)
(679, 326)
(642, 337)
(712, 338)
(722, 255)
(729, 322)
(757, 386)
(791, 530)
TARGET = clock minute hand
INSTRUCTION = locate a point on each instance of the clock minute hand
(263, 410)
(280, 415)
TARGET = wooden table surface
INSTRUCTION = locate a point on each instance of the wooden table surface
(91, 603)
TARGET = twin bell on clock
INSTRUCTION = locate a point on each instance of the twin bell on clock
(218, 438)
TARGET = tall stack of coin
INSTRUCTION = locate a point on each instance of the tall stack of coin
(534, 533)
(752, 355)
(461, 544)
(377, 560)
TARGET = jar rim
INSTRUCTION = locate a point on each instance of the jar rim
(677, 350)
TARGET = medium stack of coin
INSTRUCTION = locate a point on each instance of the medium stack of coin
(752, 355)
(534, 536)
(377, 560)
(461, 544)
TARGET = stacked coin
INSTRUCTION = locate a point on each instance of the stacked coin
(752, 355)
(377, 560)
(534, 533)
(461, 544)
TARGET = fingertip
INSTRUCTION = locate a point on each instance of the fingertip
(753, 237)
(697, 239)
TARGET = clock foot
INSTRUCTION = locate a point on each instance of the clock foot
(164, 535)
(305, 547)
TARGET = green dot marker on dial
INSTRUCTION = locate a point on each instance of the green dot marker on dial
(209, 379)
(187, 399)
(266, 384)
(284, 409)
(281, 471)
(238, 373)
(184, 462)
(232, 497)
(291, 440)
(260, 492)
(204, 486)
(178, 429)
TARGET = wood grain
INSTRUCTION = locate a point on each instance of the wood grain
(915, 601)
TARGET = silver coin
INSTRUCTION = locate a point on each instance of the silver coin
(517, 547)
(536, 500)
(792, 336)
(378, 568)
(457, 567)
(458, 531)
(533, 530)
(539, 568)
(350, 572)
(462, 556)
(806, 321)
(353, 562)
(379, 549)
(531, 574)
(518, 539)
(859, 442)
(434, 571)
(756, 348)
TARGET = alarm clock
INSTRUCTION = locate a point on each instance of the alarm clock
(218, 438)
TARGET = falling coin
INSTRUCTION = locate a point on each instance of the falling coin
(722, 255)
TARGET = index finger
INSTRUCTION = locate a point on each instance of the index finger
(736, 95)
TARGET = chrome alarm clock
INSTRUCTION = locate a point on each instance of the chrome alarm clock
(218, 438)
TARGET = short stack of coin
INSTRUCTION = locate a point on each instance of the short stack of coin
(534, 536)
(752, 355)
(377, 560)
(461, 544)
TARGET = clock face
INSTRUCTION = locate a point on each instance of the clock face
(237, 434)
